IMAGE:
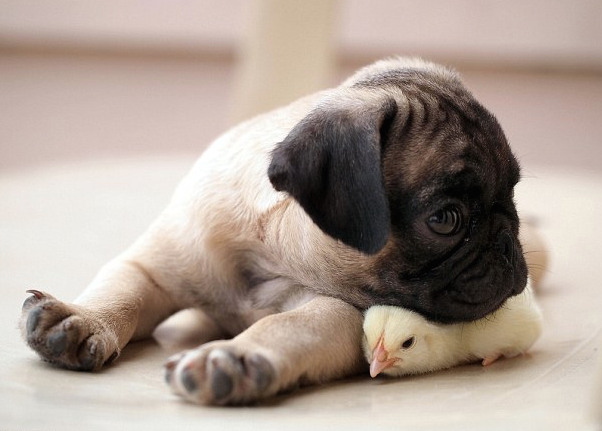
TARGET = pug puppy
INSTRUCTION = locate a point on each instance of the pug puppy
(395, 188)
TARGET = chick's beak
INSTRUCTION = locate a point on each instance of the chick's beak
(380, 359)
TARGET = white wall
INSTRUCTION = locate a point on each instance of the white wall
(559, 33)
(101, 78)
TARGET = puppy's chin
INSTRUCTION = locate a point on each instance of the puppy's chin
(475, 281)
(463, 310)
(477, 292)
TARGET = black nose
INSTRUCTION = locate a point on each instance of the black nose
(505, 245)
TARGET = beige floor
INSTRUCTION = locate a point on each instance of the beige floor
(59, 223)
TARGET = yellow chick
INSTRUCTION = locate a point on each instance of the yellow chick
(399, 341)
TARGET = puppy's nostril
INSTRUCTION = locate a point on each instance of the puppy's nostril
(505, 245)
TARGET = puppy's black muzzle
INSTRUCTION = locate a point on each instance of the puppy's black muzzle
(505, 245)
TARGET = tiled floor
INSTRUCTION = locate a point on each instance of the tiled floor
(59, 223)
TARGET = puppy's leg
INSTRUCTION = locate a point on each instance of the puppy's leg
(186, 330)
(317, 342)
(123, 302)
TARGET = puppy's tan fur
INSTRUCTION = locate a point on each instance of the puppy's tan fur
(230, 244)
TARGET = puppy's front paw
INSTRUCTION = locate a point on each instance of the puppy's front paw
(65, 335)
(221, 373)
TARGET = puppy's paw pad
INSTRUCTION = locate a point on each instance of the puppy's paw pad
(63, 335)
(220, 375)
(95, 352)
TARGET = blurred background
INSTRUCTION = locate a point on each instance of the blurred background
(104, 78)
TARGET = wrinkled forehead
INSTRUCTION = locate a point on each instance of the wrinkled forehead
(444, 137)
(464, 162)
(463, 178)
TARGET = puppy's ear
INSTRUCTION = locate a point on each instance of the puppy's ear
(330, 163)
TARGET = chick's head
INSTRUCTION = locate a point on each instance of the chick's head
(396, 341)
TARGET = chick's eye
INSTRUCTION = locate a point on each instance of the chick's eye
(446, 221)
(408, 343)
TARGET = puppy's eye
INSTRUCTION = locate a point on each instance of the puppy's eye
(408, 343)
(447, 221)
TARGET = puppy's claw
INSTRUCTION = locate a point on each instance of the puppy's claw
(36, 297)
(172, 361)
(89, 358)
(36, 293)
(170, 366)
(92, 348)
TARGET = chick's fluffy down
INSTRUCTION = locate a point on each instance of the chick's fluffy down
(404, 342)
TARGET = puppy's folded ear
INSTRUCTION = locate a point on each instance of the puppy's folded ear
(330, 163)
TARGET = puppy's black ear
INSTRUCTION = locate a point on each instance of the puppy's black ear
(330, 163)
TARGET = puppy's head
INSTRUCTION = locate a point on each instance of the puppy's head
(402, 163)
